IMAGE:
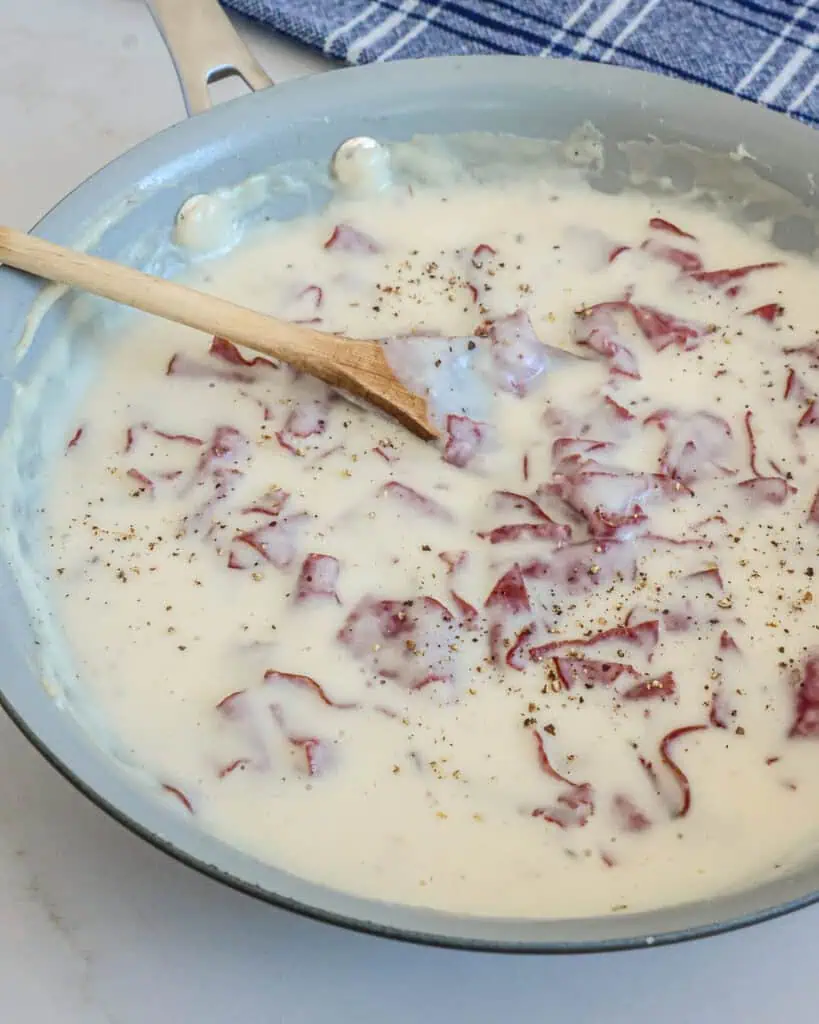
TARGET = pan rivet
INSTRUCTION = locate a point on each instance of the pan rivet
(361, 165)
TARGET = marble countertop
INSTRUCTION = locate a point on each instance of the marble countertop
(96, 927)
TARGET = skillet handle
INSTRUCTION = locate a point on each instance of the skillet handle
(205, 48)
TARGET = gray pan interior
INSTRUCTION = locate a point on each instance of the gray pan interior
(306, 119)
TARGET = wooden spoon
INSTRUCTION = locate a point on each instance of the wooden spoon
(357, 367)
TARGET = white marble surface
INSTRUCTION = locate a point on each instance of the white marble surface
(98, 928)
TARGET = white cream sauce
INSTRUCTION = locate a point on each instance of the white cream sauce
(414, 751)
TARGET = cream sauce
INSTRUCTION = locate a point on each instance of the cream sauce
(222, 536)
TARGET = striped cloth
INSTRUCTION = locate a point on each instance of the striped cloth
(765, 50)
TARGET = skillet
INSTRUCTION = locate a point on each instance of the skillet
(126, 211)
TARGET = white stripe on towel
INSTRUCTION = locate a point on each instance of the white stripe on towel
(390, 23)
(613, 11)
(369, 10)
(800, 99)
(570, 22)
(631, 27)
(762, 63)
(791, 69)
(416, 30)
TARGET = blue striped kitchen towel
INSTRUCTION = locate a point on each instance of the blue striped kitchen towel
(766, 50)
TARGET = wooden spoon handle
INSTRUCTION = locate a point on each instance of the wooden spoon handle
(300, 346)
(358, 367)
